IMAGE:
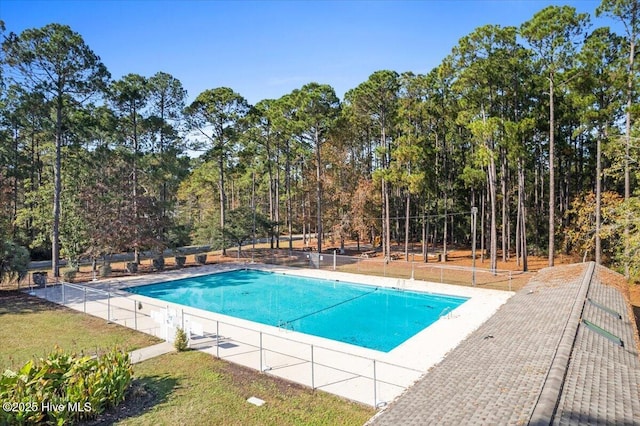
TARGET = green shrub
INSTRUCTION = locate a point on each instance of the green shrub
(105, 270)
(65, 388)
(158, 263)
(14, 260)
(69, 274)
(180, 261)
(181, 341)
(39, 279)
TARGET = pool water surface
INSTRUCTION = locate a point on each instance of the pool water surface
(377, 318)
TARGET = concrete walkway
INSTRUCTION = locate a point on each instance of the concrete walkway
(537, 361)
(361, 374)
(149, 352)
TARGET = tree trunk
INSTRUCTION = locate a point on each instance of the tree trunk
(444, 231)
(288, 189)
(57, 190)
(253, 209)
(425, 233)
(222, 199)
(518, 224)
(318, 191)
(271, 186)
(134, 120)
(552, 201)
(276, 202)
(598, 247)
(406, 229)
(14, 213)
(505, 205)
(627, 147)
(522, 216)
(386, 189)
(483, 241)
(493, 236)
(305, 229)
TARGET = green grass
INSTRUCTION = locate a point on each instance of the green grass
(194, 388)
(187, 388)
(31, 328)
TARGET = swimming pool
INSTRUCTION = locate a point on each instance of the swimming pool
(367, 316)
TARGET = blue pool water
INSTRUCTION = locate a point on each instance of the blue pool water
(371, 317)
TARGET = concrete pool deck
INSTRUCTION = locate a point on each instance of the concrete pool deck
(537, 361)
(372, 377)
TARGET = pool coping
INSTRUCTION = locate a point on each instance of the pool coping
(481, 303)
(416, 355)
(306, 302)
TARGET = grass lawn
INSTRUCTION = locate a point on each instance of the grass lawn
(31, 328)
(188, 388)
(193, 388)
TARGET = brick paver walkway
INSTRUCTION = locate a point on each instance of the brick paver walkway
(535, 362)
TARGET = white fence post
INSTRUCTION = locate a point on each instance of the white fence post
(313, 384)
(375, 391)
(218, 339)
(413, 264)
(261, 352)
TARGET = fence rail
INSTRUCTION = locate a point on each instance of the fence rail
(275, 352)
(399, 268)
(313, 365)
(369, 263)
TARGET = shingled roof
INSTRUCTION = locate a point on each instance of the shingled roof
(560, 351)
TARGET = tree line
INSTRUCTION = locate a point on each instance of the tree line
(532, 126)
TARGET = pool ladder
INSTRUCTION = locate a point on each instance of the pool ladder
(285, 325)
(446, 311)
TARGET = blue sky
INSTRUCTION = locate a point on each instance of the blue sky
(265, 49)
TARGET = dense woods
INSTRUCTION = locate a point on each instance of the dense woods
(535, 126)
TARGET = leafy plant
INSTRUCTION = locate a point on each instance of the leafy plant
(158, 263)
(105, 270)
(65, 388)
(69, 274)
(180, 261)
(14, 260)
(580, 233)
(181, 342)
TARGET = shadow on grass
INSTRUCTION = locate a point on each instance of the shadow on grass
(17, 302)
(143, 394)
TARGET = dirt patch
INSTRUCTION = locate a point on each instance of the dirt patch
(244, 377)
(631, 293)
(616, 280)
(634, 297)
(559, 275)
(139, 399)
(13, 302)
